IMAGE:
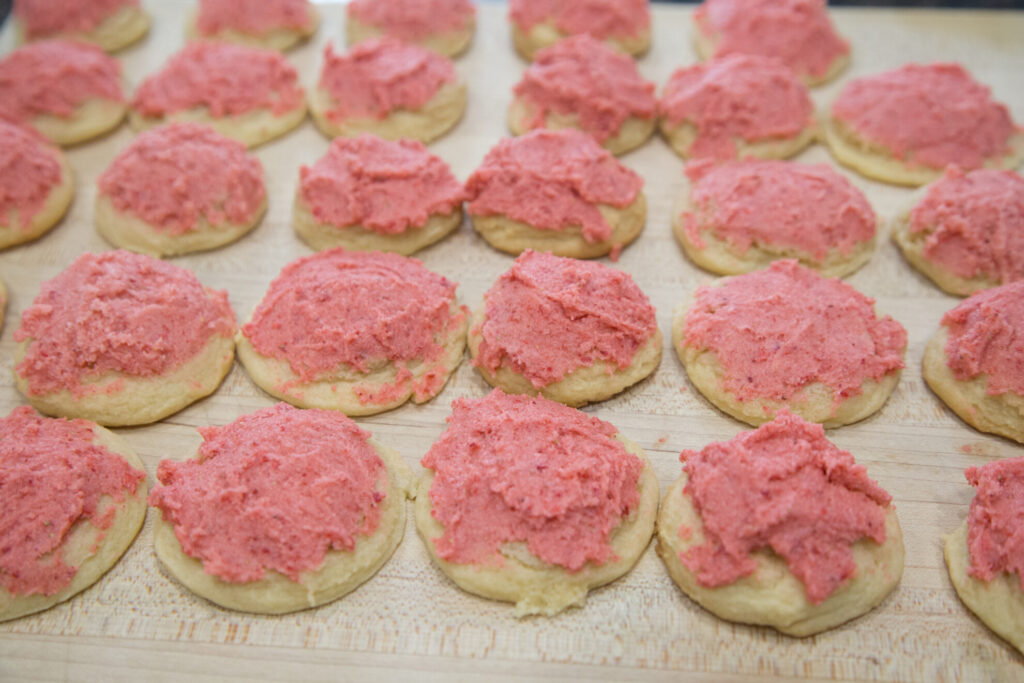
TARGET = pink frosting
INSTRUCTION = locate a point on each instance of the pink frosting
(552, 180)
(378, 76)
(583, 76)
(226, 79)
(174, 175)
(52, 477)
(739, 97)
(274, 490)
(599, 18)
(41, 18)
(255, 17)
(974, 224)
(387, 187)
(985, 338)
(29, 171)
(117, 312)
(776, 331)
(515, 469)
(55, 77)
(994, 541)
(783, 486)
(930, 115)
(547, 316)
(778, 204)
(414, 20)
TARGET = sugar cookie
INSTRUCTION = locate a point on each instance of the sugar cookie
(270, 24)
(109, 24)
(623, 24)
(444, 26)
(36, 185)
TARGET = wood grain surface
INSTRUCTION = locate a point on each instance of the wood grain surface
(410, 621)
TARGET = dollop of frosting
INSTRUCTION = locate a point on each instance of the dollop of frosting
(381, 75)
(779, 204)
(599, 18)
(53, 476)
(547, 316)
(776, 331)
(994, 542)
(519, 469)
(927, 114)
(986, 338)
(388, 187)
(29, 171)
(275, 490)
(552, 180)
(583, 76)
(225, 79)
(173, 176)
(42, 18)
(55, 77)
(784, 487)
(414, 20)
(117, 312)
(974, 224)
(799, 33)
(254, 18)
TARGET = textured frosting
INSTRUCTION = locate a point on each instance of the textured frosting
(985, 338)
(254, 17)
(29, 171)
(41, 18)
(414, 20)
(599, 18)
(994, 542)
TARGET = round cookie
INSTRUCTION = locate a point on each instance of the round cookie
(357, 332)
(739, 216)
(178, 189)
(122, 339)
(388, 88)
(799, 33)
(905, 126)
(74, 498)
(312, 509)
(69, 92)
(444, 26)
(975, 361)
(778, 527)
(109, 24)
(246, 93)
(370, 194)
(786, 337)
(270, 24)
(532, 502)
(571, 331)
(623, 24)
(555, 191)
(582, 83)
(736, 107)
(983, 554)
(965, 231)
(36, 185)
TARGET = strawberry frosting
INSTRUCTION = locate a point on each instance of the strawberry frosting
(985, 338)
(599, 18)
(994, 542)
(42, 18)
(29, 171)
(254, 17)
(414, 20)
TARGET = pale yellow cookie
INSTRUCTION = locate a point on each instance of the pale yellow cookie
(634, 131)
(122, 28)
(92, 118)
(681, 137)
(707, 44)
(280, 39)
(252, 128)
(545, 33)
(449, 44)
(56, 204)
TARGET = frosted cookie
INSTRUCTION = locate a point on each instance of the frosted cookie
(799, 33)
(623, 24)
(358, 332)
(369, 194)
(178, 189)
(906, 125)
(388, 88)
(249, 94)
(582, 83)
(271, 24)
(739, 216)
(444, 26)
(69, 92)
(108, 24)
(572, 331)
(281, 510)
(555, 191)
(975, 361)
(74, 498)
(36, 185)
(778, 527)
(122, 339)
(736, 107)
(965, 231)
(984, 554)
(786, 337)
(532, 502)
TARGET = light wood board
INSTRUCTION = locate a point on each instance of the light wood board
(409, 621)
